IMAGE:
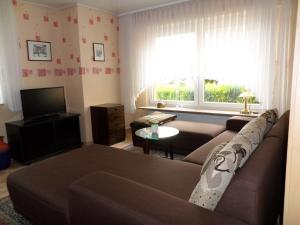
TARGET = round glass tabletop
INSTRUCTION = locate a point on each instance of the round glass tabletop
(163, 132)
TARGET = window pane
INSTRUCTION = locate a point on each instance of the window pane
(230, 65)
(183, 90)
(174, 58)
(215, 91)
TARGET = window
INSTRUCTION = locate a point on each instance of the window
(212, 71)
(175, 67)
(227, 55)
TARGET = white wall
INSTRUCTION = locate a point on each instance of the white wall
(292, 188)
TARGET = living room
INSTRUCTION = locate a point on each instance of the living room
(177, 86)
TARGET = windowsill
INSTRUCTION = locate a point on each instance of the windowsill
(198, 111)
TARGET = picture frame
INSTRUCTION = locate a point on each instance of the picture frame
(98, 52)
(39, 51)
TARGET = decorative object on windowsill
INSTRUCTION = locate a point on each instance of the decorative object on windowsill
(4, 154)
(161, 105)
(246, 95)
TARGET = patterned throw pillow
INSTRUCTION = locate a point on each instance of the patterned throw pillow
(216, 175)
(271, 117)
(222, 163)
(199, 196)
(249, 137)
(211, 156)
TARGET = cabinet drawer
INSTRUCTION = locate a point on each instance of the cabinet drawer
(116, 117)
(116, 109)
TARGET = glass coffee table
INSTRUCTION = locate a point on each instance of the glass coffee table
(163, 133)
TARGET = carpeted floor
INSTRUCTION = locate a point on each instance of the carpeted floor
(8, 216)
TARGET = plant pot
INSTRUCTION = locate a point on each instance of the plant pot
(4, 155)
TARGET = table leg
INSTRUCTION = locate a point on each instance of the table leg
(146, 146)
(166, 152)
(171, 149)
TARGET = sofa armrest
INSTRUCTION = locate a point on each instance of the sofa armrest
(103, 198)
(236, 123)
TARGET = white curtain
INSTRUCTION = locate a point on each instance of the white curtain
(245, 42)
(10, 72)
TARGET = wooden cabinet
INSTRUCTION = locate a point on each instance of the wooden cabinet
(37, 139)
(108, 123)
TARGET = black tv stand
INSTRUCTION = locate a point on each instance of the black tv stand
(41, 118)
(31, 140)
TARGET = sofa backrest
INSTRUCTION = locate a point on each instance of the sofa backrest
(236, 123)
(281, 128)
(254, 194)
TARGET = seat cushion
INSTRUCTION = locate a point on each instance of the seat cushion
(204, 129)
(199, 155)
(193, 134)
(39, 192)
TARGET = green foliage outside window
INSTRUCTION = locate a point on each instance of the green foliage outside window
(173, 91)
(213, 92)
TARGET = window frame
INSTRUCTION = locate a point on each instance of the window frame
(174, 103)
(199, 102)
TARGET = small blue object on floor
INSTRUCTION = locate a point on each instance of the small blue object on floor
(4, 160)
(4, 154)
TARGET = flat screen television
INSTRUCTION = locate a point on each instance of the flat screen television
(43, 102)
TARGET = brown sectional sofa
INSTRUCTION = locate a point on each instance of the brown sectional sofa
(102, 185)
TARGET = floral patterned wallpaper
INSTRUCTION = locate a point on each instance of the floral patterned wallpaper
(69, 57)
(72, 32)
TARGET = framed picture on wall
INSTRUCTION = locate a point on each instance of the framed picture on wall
(39, 51)
(98, 49)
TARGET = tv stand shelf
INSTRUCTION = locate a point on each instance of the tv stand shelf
(37, 139)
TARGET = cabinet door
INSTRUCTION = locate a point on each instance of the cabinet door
(67, 133)
(99, 119)
(116, 125)
(38, 141)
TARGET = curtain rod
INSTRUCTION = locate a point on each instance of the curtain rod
(153, 7)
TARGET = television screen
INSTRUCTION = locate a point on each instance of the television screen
(43, 102)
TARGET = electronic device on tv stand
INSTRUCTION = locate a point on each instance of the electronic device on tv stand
(43, 103)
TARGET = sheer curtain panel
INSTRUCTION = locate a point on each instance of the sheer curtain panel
(243, 42)
(10, 73)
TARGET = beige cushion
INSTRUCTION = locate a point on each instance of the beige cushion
(193, 127)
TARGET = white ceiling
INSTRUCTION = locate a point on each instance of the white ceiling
(114, 6)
